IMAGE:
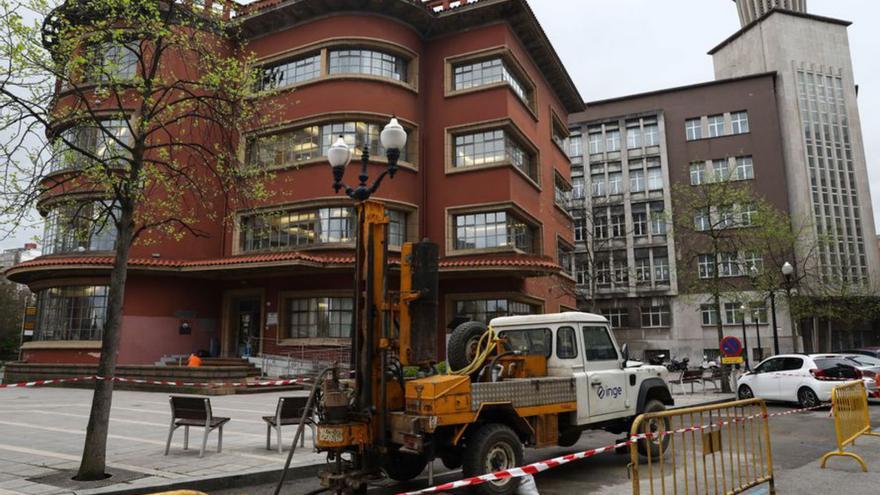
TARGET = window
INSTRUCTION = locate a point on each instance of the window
(702, 221)
(369, 62)
(565, 255)
(580, 229)
(744, 169)
(603, 273)
(598, 345)
(577, 188)
(709, 314)
(727, 217)
(495, 70)
(661, 266)
(297, 228)
(643, 267)
(598, 185)
(566, 343)
(733, 313)
(637, 181)
(289, 72)
(615, 183)
(618, 223)
(652, 135)
(489, 148)
(758, 313)
(396, 227)
(752, 259)
(618, 317)
(656, 316)
(694, 129)
(107, 141)
(595, 143)
(716, 125)
(600, 224)
(537, 342)
(312, 142)
(112, 62)
(698, 173)
(575, 145)
(640, 220)
(748, 214)
(562, 191)
(655, 179)
(706, 266)
(658, 219)
(484, 310)
(493, 229)
(728, 265)
(612, 140)
(71, 313)
(633, 136)
(319, 317)
(739, 122)
(79, 227)
(720, 170)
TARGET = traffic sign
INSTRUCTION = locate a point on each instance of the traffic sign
(731, 347)
(732, 360)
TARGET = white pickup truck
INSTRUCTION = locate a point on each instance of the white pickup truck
(482, 420)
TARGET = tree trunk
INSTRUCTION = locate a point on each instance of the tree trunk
(94, 457)
(719, 327)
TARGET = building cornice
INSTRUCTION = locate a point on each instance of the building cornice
(770, 12)
(53, 266)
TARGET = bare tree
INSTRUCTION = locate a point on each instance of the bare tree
(124, 115)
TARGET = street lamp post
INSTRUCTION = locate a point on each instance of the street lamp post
(788, 273)
(773, 316)
(755, 316)
(393, 139)
(742, 310)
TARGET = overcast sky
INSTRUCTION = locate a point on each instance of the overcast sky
(619, 47)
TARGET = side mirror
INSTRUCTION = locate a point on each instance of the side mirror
(624, 351)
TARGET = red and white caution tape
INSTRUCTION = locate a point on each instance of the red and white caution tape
(541, 466)
(37, 383)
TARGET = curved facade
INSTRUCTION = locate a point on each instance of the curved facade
(485, 102)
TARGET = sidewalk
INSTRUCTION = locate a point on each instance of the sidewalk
(42, 432)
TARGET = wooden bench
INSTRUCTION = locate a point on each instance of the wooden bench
(289, 411)
(189, 411)
(689, 376)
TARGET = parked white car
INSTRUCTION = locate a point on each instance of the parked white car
(805, 379)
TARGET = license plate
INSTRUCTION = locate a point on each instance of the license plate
(330, 435)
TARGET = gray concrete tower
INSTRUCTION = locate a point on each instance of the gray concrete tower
(752, 10)
(826, 169)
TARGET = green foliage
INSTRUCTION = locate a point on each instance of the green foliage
(11, 307)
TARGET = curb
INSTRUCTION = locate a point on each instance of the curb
(210, 484)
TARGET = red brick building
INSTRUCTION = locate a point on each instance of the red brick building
(485, 101)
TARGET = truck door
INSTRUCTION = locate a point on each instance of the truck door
(606, 391)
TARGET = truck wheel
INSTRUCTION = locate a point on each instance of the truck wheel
(657, 446)
(462, 346)
(568, 438)
(451, 458)
(403, 467)
(493, 447)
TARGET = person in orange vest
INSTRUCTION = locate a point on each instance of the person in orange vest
(194, 361)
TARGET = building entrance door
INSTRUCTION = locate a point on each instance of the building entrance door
(246, 321)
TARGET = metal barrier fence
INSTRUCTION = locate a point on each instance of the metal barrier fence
(723, 448)
(849, 403)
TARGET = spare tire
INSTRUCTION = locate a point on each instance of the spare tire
(462, 346)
